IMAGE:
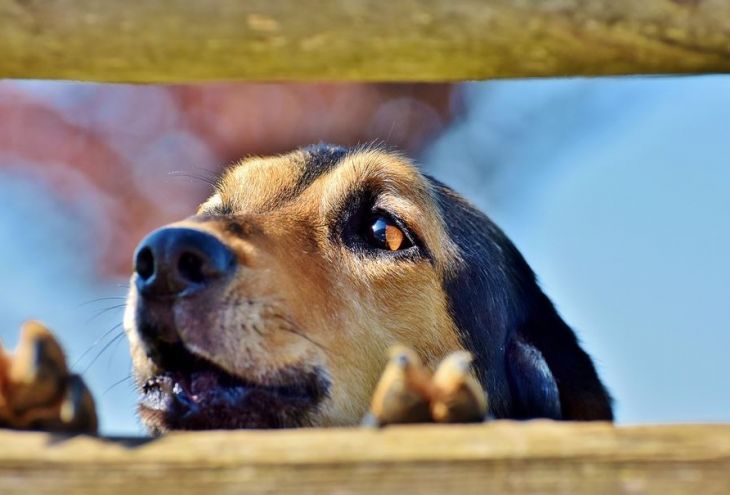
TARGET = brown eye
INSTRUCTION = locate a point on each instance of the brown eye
(387, 235)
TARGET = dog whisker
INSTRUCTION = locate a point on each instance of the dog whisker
(202, 178)
(95, 343)
(256, 329)
(292, 328)
(116, 384)
(103, 349)
(104, 311)
(305, 337)
(289, 326)
(111, 355)
(99, 299)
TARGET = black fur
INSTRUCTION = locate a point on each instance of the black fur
(321, 159)
(512, 328)
(534, 391)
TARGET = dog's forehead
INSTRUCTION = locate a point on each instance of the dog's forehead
(257, 185)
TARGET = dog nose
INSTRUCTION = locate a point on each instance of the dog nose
(175, 261)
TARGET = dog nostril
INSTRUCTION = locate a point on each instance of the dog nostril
(179, 262)
(145, 264)
(190, 266)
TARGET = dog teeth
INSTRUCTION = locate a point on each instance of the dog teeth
(149, 385)
(161, 384)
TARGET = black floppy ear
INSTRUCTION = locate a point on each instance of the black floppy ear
(534, 390)
(527, 358)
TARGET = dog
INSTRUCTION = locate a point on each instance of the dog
(275, 304)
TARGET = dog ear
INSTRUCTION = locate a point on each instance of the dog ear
(582, 395)
(493, 297)
(534, 390)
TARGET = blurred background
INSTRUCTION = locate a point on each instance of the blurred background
(617, 191)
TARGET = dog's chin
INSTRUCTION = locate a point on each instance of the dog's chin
(202, 396)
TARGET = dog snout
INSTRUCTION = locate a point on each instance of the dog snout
(175, 261)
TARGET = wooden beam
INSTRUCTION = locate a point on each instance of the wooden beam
(500, 457)
(359, 40)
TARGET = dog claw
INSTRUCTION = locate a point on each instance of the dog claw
(457, 395)
(408, 393)
(37, 391)
(38, 368)
(403, 392)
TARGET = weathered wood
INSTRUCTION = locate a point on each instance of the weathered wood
(365, 40)
(501, 457)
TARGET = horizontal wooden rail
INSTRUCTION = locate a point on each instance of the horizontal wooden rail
(500, 457)
(363, 40)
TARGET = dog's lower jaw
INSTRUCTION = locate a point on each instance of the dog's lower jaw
(221, 418)
(211, 399)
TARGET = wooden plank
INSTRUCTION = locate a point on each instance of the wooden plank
(500, 457)
(363, 40)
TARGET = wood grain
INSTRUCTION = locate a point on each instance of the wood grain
(359, 40)
(500, 457)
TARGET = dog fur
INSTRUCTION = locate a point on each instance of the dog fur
(309, 297)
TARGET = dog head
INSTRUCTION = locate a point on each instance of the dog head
(273, 305)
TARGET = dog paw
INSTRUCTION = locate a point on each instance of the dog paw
(457, 396)
(37, 391)
(408, 392)
(403, 392)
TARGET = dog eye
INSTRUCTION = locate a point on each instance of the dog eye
(385, 234)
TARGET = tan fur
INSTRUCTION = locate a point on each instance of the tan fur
(301, 299)
(403, 392)
(36, 389)
(457, 396)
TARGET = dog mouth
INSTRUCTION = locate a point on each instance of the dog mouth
(192, 393)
